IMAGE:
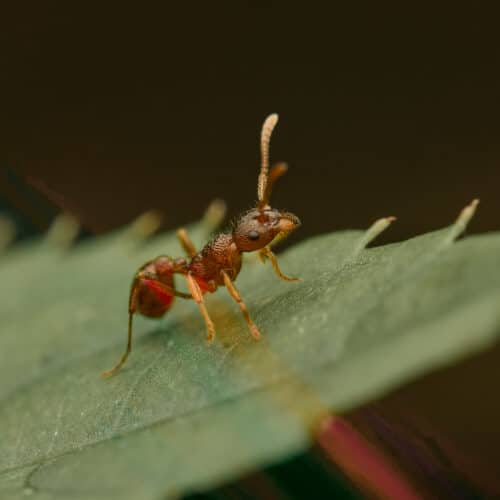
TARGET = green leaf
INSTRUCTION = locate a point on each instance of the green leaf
(183, 414)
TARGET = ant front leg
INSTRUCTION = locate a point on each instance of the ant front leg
(266, 252)
(237, 297)
(197, 295)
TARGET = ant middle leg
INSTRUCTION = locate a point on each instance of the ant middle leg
(197, 295)
(237, 297)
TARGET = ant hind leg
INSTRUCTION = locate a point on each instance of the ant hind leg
(112, 371)
(140, 279)
(131, 312)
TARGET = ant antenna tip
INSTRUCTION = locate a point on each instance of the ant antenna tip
(271, 120)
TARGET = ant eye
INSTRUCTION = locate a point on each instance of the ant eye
(253, 235)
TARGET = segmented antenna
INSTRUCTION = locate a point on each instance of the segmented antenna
(265, 137)
(275, 173)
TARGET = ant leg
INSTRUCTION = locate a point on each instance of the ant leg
(194, 288)
(212, 219)
(141, 277)
(131, 310)
(186, 242)
(237, 297)
(158, 286)
(278, 239)
(266, 252)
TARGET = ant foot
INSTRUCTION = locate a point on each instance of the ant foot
(108, 373)
(255, 332)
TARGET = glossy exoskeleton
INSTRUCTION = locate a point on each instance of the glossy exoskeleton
(219, 262)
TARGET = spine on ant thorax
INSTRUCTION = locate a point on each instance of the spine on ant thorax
(220, 254)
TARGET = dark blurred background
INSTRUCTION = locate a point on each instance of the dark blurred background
(120, 108)
(113, 109)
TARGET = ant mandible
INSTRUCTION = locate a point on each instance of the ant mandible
(219, 262)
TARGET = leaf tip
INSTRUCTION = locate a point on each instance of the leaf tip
(465, 216)
(145, 225)
(379, 226)
(63, 231)
(469, 210)
(7, 231)
(214, 214)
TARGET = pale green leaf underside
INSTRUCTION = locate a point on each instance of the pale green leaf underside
(182, 414)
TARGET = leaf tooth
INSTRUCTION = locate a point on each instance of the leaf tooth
(468, 212)
(214, 215)
(372, 232)
(463, 220)
(63, 231)
(144, 226)
(7, 232)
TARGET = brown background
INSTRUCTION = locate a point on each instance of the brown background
(120, 108)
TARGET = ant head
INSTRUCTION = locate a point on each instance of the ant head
(257, 228)
(261, 225)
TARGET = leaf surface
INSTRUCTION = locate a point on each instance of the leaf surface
(183, 415)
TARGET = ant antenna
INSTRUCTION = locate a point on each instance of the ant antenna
(265, 137)
(275, 173)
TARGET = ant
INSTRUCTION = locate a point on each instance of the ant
(218, 264)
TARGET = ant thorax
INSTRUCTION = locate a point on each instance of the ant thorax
(220, 254)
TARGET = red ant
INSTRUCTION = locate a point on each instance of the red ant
(219, 262)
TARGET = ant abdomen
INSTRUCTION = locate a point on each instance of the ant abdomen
(152, 285)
